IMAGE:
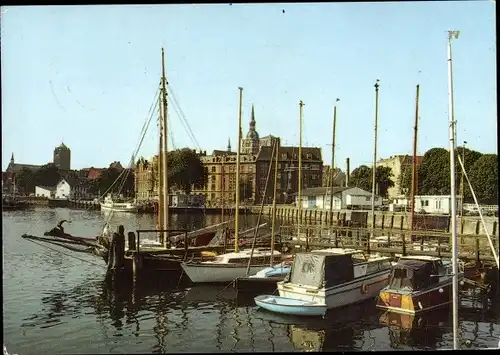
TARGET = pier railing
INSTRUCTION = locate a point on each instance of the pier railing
(389, 241)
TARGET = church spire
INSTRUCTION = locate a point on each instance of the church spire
(252, 119)
(12, 158)
(229, 144)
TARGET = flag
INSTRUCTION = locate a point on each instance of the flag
(452, 34)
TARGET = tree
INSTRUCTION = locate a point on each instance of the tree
(47, 175)
(434, 173)
(185, 170)
(25, 180)
(484, 179)
(362, 177)
(106, 179)
(383, 179)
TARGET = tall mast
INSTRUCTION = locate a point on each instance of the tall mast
(333, 157)
(374, 161)
(273, 224)
(160, 168)
(237, 204)
(454, 257)
(414, 162)
(165, 146)
(301, 104)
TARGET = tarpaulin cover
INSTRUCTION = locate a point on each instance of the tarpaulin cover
(312, 269)
(412, 275)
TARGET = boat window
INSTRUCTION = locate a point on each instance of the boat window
(400, 279)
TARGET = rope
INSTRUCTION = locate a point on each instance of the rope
(480, 213)
(182, 116)
(60, 252)
(146, 124)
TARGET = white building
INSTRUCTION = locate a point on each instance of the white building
(45, 191)
(343, 197)
(63, 190)
(439, 204)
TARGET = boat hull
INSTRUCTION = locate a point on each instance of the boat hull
(213, 273)
(358, 290)
(290, 306)
(115, 208)
(407, 302)
(257, 285)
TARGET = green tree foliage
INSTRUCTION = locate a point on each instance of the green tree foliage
(185, 170)
(483, 176)
(362, 177)
(25, 181)
(125, 185)
(434, 171)
(47, 175)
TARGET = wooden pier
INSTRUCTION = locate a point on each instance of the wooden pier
(472, 247)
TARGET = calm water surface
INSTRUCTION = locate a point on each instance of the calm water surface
(57, 304)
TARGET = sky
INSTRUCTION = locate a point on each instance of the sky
(88, 75)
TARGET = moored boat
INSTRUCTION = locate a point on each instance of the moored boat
(336, 277)
(118, 205)
(290, 306)
(227, 267)
(418, 284)
(264, 280)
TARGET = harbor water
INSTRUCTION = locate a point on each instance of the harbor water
(56, 302)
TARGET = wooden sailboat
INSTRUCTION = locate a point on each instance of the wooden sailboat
(227, 267)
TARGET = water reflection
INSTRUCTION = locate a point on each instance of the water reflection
(422, 331)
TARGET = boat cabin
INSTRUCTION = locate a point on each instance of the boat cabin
(321, 269)
(414, 274)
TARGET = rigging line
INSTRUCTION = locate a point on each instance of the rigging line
(60, 252)
(184, 123)
(183, 117)
(127, 171)
(480, 213)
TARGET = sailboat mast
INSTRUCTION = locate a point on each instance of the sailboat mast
(160, 168)
(374, 161)
(414, 163)
(453, 192)
(165, 147)
(332, 171)
(273, 222)
(237, 204)
(301, 104)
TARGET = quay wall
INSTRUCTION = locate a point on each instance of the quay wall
(287, 214)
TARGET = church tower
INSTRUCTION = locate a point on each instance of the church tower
(250, 144)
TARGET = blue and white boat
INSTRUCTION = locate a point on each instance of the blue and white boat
(335, 277)
(290, 306)
(264, 280)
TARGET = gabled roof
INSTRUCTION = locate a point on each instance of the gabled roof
(320, 191)
(18, 167)
(48, 188)
(290, 154)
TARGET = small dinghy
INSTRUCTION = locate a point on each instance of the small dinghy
(290, 306)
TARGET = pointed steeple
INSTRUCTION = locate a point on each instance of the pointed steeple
(229, 144)
(12, 158)
(252, 118)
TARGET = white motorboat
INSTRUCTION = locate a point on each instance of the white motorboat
(336, 277)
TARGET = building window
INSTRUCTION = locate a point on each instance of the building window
(438, 204)
(213, 169)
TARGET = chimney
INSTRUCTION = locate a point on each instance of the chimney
(347, 173)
